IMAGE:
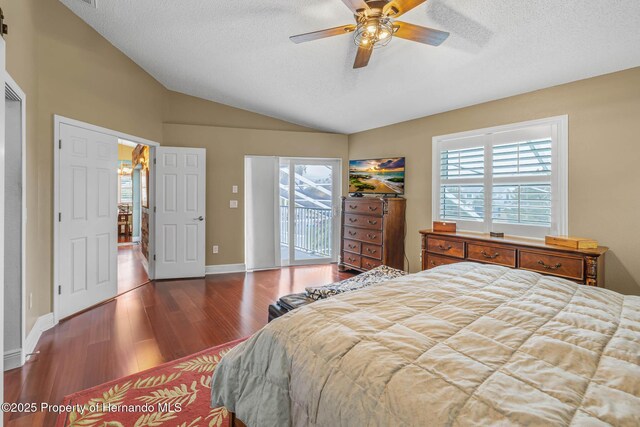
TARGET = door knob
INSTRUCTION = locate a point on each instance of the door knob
(200, 218)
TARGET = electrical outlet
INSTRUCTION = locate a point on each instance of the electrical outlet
(30, 300)
(216, 249)
(234, 189)
(233, 204)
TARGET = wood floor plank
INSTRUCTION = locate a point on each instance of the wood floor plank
(150, 325)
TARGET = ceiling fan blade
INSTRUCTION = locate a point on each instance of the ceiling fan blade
(419, 34)
(401, 6)
(315, 35)
(356, 5)
(362, 57)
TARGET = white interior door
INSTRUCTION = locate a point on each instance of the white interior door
(88, 165)
(180, 212)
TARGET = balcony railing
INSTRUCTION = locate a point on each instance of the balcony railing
(312, 230)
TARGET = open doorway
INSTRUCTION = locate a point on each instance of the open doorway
(133, 215)
(14, 226)
(292, 208)
(86, 212)
(87, 221)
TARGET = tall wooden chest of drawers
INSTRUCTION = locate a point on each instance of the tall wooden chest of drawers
(373, 231)
(585, 266)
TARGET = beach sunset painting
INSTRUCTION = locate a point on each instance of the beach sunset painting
(377, 176)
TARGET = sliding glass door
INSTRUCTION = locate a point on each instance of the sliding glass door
(309, 210)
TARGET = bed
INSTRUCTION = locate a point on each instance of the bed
(463, 344)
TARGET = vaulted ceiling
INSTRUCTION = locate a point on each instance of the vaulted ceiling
(238, 52)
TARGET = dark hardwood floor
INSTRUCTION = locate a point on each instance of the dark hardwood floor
(131, 272)
(150, 325)
(124, 238)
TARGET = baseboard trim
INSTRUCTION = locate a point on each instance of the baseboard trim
(12, 359)
(42, 324)
(145, 265)
(225, 268)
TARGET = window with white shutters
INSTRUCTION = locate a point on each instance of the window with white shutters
(509, 178)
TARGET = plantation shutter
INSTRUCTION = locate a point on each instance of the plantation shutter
(504, 180)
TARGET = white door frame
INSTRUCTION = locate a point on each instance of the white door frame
(9, 81)
(336, 191)
(57, 121)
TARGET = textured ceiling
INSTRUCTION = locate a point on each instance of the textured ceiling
(237, 52)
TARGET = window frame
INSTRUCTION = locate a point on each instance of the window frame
(490, 137)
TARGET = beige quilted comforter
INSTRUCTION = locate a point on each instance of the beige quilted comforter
(464, 344)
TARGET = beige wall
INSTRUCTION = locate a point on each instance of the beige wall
(67, 68)
(604, 150)
(189, 110)
(226, 149)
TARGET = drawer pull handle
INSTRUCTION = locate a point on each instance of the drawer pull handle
(353, 220)
(351, 259)
(372, 236)
(372, 222)
(486, 255)
(353, 206)
(445, 248)
(373, 208)
(433, 263)
(352, 233)
(549, 267)
(352, 246)
(369, 265)
(371, 251)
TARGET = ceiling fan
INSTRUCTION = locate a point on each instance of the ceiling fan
(375, 26)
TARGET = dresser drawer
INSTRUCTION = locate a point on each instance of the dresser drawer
(351, 259)
(553, 264)
(373, 207)
(372, 251)
(447, 247)
(364, 221)
(352, 246)
(436, 261)
(363, 235)
(368, 263)
(491, 254)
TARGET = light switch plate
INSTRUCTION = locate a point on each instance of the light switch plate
(216, 249)
(234, 189)
(233, 204)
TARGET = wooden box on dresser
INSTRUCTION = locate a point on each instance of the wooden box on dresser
(372, 232)
(585, 266)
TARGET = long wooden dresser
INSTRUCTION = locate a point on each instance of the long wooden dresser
(585, 266)
(372, 232)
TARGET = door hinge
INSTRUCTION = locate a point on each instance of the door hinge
(60, 144)
(59, 216)
(59, 290)
(154, 257)
(4, 29)
(154, 160)
(154, 209)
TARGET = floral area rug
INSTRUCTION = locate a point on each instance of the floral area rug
(176, 393)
